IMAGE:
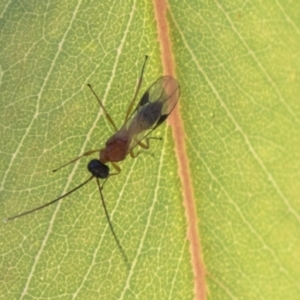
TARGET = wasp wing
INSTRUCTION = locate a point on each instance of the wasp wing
(153, 109)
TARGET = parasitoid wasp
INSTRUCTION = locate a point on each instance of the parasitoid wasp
(153, 109)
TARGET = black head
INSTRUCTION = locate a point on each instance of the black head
(98, 169)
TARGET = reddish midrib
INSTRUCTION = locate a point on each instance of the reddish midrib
(189, 201)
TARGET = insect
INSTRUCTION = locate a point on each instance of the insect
(152, 110)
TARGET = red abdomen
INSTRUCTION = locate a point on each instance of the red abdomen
(116, 149)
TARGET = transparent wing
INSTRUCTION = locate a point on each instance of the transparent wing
(153, 109)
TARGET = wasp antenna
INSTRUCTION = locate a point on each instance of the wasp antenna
(112, 228)
(49, 203)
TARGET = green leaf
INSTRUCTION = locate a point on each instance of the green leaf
(237, 64)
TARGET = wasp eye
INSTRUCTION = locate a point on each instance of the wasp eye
(98, 169)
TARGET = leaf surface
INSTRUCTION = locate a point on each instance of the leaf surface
(238, 67)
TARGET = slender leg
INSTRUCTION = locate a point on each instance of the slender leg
(77, 158)
(145, 146)
(116, 167)
(130, 107)
(108, 117)
(134, 155)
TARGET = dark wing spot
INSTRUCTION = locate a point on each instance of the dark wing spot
(144, 99)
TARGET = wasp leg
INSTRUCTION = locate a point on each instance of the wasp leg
(131, 104)
(145, 145)
(116, 167)
(107, 115)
